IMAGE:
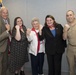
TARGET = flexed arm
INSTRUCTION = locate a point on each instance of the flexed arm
(5, 34)
(18, 35)
(65, 31)
(29, 34)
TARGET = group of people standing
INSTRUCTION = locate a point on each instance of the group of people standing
(50, 39)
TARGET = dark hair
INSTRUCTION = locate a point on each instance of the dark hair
(49, 16)
(15, 21)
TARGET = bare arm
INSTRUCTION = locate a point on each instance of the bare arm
(17, 36)
(29, 34)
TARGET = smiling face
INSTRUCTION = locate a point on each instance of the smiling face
(49, 21)
(19, 21)
(70, 17)
(4, 13)
(35, 25)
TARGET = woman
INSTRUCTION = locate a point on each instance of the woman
(19, 43)
(54, 44)
(36, 48)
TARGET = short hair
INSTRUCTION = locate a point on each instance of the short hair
(71, 11)
(3, 8)
(35, 19)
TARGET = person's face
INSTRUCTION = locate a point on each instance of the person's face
(35, 24)
(49, 21)
(4, 14)
(70, 16)
(19, 22)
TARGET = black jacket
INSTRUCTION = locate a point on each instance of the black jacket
(53, 44)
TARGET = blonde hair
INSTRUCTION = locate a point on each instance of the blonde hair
(35, 19)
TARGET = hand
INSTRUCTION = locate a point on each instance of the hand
(17, 27)
(66, 27)
(40, 29)
(28, 31)
(7, 27)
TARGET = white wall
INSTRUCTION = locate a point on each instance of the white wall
(27, 9)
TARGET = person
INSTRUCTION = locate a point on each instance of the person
(18, 50)
(36, 48)
(4, 35)
(54, 44)
(70, 35)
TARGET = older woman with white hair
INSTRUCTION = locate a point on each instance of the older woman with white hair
(36, 48)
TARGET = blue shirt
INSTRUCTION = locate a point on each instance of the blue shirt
(53, 32)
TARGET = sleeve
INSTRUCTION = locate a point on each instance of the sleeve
(4, 35)
(30, 37)
(64, 41)
(42, 36)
